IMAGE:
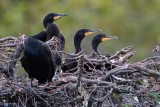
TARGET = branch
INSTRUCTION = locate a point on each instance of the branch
(85, 80)
(157, 50)
(122, 52)
(7, 38)
(144, 69)
(80, 70)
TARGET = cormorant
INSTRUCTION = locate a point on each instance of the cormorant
(37, 59)
(100, 38)
(80, 34)
(53, 30)
(95, 42)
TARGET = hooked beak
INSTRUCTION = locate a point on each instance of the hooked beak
(92, 31)
(58, 16)
(108, 38)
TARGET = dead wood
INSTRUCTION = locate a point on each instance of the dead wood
(89, 80)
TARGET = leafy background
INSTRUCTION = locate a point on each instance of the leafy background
(135, 22)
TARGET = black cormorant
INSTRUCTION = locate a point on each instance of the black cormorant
(53, 30)
(95, 42)
(37, 59)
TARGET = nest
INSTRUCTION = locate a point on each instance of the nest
(87, 80)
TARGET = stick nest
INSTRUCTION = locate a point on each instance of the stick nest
(87, 80)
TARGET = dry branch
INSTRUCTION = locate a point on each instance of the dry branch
(95, 80)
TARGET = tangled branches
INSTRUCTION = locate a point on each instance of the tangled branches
(87, 80)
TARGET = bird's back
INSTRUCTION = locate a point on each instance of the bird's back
(37, 60)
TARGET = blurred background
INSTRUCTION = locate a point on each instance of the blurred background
(135, 22)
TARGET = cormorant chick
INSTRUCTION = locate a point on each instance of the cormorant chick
(37, 59)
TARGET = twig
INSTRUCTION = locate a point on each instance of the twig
(75, 55)
(80, 70)
(151, 72)
(7, 38)
(157, 49)
(122, 51)
(9, 45)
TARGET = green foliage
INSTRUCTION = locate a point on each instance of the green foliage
(135, 22)
(116, 96)
(155, 95)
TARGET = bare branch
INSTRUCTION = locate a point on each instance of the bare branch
(7, 38)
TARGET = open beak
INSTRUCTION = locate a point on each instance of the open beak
(92, 31)
(108, 38)
(58, 16)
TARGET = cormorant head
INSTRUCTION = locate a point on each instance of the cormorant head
(100, 38)
(80, 34)
(85, 32)
(51, 17)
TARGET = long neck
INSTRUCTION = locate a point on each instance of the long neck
(52, 30)
(77, 42)
(95, 45)
(46, 22)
